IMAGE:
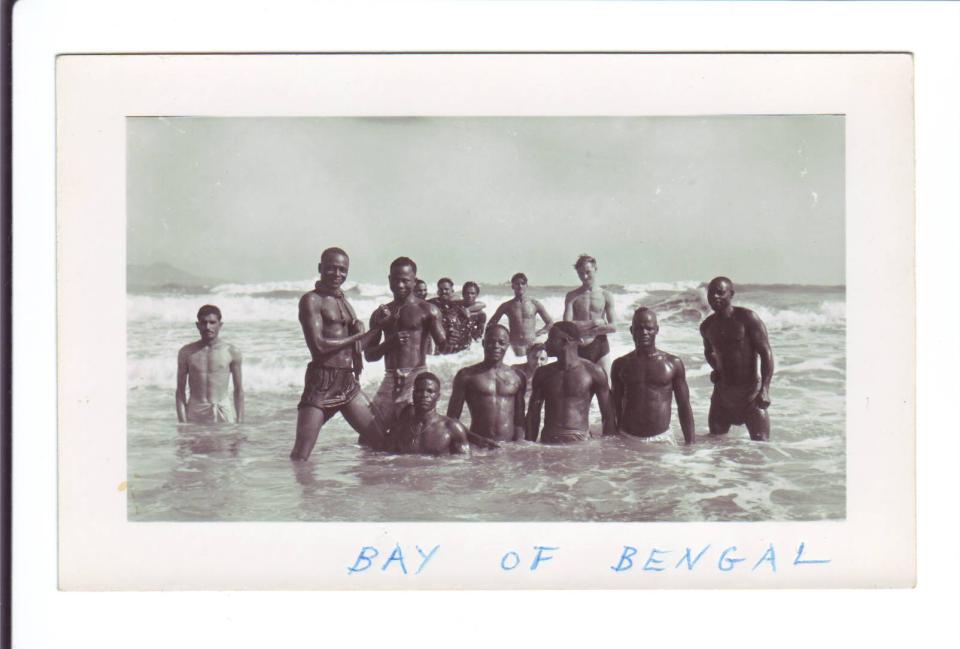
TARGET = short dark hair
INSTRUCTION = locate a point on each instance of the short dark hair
(444, 279)
(641, 310)
(535, 348)
(495, 326)
(206, 310)
(467, 285)
(333, 251)
(584, 259)
(568, 329)
(420, 281)
(427, 376)
(403, 261)
(721, 278)
(519, 277)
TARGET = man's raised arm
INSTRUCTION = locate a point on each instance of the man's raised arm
(435, 327)
(547, 320)
(311, 320)
(682, 394)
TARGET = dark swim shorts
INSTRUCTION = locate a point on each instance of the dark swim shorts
(328, 388)
(596, 350)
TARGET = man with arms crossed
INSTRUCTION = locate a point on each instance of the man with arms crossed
(407, 323)
(454, 319)
(645, 381)
(522, 312)
(493, 392)
(208, 365)
(733, 338)
(335, 338)
(421, 429)
(592, 309)
(567, 386)
(478, 319)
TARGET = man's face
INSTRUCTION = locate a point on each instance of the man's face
(556, 341)
(586, 271)
(539, 358)
(495, 343)
(519, 287)
(425, 395)
(719, 295)
(209, 327)
(445, 291)
(402, 280)
(470, 295)
(333, 269)
(420, 290)
(645, 329)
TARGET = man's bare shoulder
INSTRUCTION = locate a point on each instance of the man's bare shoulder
(595, 371)
(189, 348)
(607, 295)
(235, 353)
(574, 294)
(707, 323)
(673, 360)
(311, 301)
(746, 316)
(430, 308)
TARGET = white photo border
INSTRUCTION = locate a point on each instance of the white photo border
(100, 549)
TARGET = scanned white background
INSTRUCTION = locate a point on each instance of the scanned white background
(800, 29)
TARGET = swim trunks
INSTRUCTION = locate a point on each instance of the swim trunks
(210, 413)
(596, 350)
(328, 388)
(734, 404)
(563, 435)
(665, 438)
(395, 393)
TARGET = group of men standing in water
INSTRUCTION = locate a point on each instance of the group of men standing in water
(634, 392)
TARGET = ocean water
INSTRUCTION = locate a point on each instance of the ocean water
(189, 472)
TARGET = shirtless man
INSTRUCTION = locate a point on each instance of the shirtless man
(478, 319)
(733, 338)
(568, 386)
(407, 324)
(536, 357)
(208, 365)
(522, 312)
(421, 429)
(645, 381)
(335, 338)
(493, 392)
(592, 309)
(455, 320)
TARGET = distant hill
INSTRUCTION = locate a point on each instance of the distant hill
(163, 275)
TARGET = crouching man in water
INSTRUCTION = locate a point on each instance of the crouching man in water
(408, 324)
(733, 339)
(421, 429)
(645, 382)
(208, 364)
(568, 386)
(493, 392)
(335, 339)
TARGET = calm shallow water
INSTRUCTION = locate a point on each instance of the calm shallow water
(185, 472)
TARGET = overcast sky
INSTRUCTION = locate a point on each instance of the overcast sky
(760, 199)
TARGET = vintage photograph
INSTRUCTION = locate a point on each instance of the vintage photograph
(486, 319)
